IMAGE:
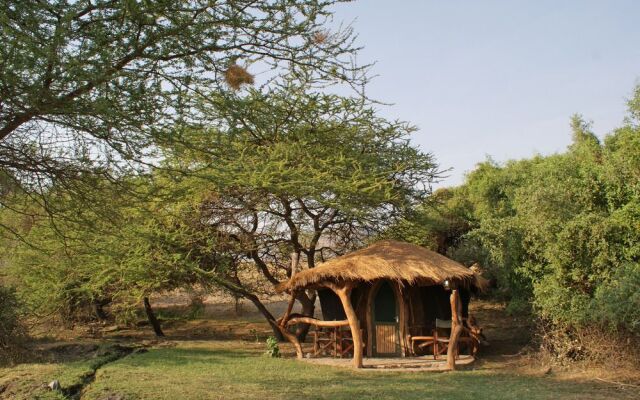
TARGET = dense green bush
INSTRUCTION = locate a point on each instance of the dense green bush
(12, 331)
(560, 233)
(616, 303)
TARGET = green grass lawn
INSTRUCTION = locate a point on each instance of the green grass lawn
(30, 380)
(223, 366)
(238, 370)
(223, 370)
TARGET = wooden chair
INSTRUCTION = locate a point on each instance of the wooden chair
(442, 333)
(325, 341)
(438, 340)
(417, 339)
(469, 338)
(337, 341)
(345, 341)
(345, 347)
(466, 339)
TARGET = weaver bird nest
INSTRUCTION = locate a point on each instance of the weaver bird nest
(320, 37)
(236, 76)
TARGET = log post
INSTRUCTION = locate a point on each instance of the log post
(285, 317)
(282, 326)
(343, 293)
(456, 329)
(293, 339)
(282, 323)
(308, 304)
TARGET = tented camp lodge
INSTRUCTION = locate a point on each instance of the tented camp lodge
(390, 299)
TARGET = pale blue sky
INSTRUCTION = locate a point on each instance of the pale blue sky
(498, 78)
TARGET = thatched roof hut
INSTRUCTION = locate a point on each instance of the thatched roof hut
(390, 295)
(404, 263)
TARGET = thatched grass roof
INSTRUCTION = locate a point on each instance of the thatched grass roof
(387, 259)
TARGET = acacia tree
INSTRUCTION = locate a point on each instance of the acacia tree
(299, 172)
(437, 224)
(119, 263)
(90, 86)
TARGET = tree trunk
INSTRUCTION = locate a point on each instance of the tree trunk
(267, 315)
(308, 309)
(152, 318)
(293, 340)
(237, 289)
(237, 306)
(98, 308)
(287, 314)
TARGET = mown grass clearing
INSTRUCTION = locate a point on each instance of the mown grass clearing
(228, 370)
(221, 359)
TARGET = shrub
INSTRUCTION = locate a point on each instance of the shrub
(12, 331)
(273, 350)
(590, 345)
(616, 303)
(556, 301)
(602, 329)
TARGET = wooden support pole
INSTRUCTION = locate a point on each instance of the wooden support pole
(295, 257)
(282, 323)
(293, 339)
(282, 326)
(456, 329)
(285, 317)
(343, 293)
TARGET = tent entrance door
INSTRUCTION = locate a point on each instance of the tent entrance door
(386, 336)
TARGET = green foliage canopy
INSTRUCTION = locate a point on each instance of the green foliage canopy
(93, 87)
(560, 233)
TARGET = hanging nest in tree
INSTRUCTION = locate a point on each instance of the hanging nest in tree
(236, 76)
(320, 37)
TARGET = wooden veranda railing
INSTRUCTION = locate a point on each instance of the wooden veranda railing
(343, 291)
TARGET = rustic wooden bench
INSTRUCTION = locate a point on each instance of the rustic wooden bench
(440, 342)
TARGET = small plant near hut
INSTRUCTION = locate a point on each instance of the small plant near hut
(273, 350)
